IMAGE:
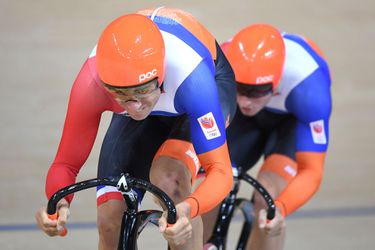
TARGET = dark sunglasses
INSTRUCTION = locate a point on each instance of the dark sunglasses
(254, 91)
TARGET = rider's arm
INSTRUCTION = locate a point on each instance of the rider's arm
(217, 183)
(198, 98)
(305, 183)
(312, 110)
(81, 124)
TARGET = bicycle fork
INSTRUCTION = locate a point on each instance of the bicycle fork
(129, 235)
(129, 223)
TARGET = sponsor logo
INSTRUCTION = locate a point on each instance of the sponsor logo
(193, 156)
(147, 75)
(318, 132)
(290, 170)
(209, 126)
(264, 79)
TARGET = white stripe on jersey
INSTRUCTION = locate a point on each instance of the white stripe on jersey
(181, 60)
(299, 64)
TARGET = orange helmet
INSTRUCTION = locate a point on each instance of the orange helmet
(257, 55)
(130, 52)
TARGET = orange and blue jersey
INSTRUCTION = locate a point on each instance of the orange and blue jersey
(304, 91)
(189, 88)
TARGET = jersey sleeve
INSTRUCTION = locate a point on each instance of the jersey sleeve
(198, 98)
(304, 185)
(86, 104)
(310, 102)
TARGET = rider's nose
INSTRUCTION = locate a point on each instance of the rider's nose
(133, 106)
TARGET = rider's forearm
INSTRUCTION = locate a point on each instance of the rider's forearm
(59, 176)
(305, 184)
(217, 183)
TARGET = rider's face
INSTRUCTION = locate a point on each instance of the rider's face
(250, 106)
(137, 101)
(252, 99)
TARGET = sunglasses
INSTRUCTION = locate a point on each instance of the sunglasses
(135, 92)
(254, 91)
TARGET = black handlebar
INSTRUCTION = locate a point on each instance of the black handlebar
(266, 196)
(241, 175)
(123, 183)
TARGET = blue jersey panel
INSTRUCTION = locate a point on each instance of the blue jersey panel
(304, 138)
(197, 96)
(310, 101)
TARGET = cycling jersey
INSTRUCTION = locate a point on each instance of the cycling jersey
(303, 97)
(304, 91)
(189, 89)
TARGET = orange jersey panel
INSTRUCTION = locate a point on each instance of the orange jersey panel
(305, 184)
(314, 46)
(218, 182)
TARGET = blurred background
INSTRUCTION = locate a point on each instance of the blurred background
(44, 43)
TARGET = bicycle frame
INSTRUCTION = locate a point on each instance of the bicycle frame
(229, 205)
(133, 221)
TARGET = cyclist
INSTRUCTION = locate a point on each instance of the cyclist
(284, 106)
(168, 83)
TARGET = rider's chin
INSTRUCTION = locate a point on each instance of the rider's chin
(138, 116)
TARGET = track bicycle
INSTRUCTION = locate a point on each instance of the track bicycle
(227, 208)
(133, 221)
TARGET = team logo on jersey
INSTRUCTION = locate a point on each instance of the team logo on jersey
(317, 128)
(209, 126)
(207, 122)
(318, 132)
